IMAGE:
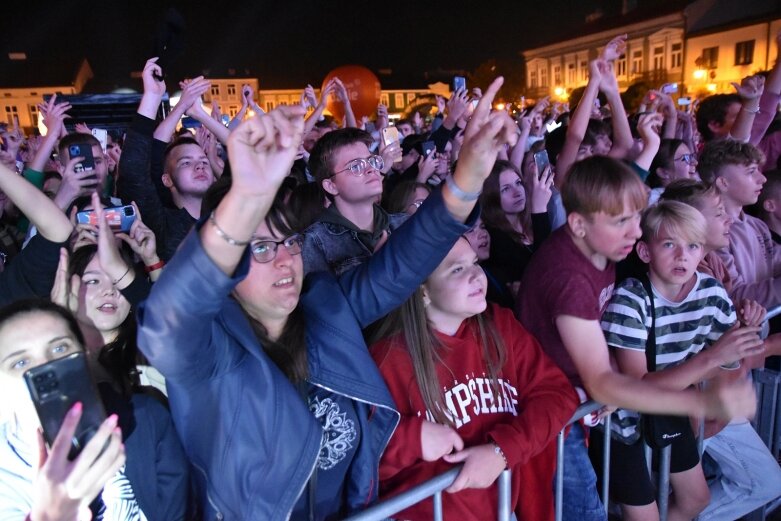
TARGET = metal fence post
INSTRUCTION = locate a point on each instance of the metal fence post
(663, 489)
(606, 464)
(559, 493)
(437, 506)
(505, 486)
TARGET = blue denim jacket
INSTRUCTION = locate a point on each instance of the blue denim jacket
(251, 439)
(332, 247)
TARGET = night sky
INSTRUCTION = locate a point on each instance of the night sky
(289, 44)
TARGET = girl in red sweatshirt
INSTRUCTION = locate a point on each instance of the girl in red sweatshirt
(473, 387)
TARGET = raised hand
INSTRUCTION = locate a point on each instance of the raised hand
(64, 489)
(751, 313)
(541, 190)
(54, 115)
(310, 97)
(64, 292)
(614, 48)
(457, 105)
(262, 149)
(382, 116)
(108, 253)
(151, 84)
(74, 184)
(141, 240)
(190, 100)
(482, 465)
(437, 440)
(750, 88)
(82, 128)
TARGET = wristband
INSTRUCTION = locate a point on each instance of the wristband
(153, 267)
(498, 450)
(750, 111)
(460, 194)
(227, 238)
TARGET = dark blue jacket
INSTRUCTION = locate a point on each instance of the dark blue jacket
(244, 427)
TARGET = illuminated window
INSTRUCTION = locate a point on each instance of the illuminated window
(571, 73)
(216, 90)
(583, 70)
(533, 79)
(231, 90)
(676, 55)
(557, 74)
(621, 66)
(398, 100)
(544, 77)
(11, 114)
(659, 58)
(384, 99)
(637, 62)
(710, 58)
(269, 106)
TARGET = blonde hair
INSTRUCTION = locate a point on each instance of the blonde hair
(676, 219)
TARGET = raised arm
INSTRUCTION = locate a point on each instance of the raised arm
(344, 97)
(648, 127)
(42, 212)
(192, 90)
(750, 90)
(197, 112)
(53, 117)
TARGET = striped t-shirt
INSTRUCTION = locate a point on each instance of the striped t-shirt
(683, 328)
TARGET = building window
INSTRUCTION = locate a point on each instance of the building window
(11, 114)
(216, 90)
(583, 70)
(398, 100)
(33, 115)
(557, 74)
(384, 99)
(269, 106)
(533, 79)
(676, 55)
(231, 90)
(621, 66)
(744, 52)
(411, 96)
(571, 73)
(233, 110)
(637, 62)
(710, 58)
(544, 77)
(659, 58)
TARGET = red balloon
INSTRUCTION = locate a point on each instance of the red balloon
(362, 86)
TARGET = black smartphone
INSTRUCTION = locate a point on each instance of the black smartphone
(85, 151)
(57, 386)
(459, 82)
(542, 161)
(428, 147)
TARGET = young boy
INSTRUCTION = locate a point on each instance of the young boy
(752, 259)
(770, 204)
(691, 311)
(565, 289)
(354, 226)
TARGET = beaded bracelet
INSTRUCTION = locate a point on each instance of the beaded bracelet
(498, 450)
(227, 238)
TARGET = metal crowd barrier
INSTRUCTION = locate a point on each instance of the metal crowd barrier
(433, 487)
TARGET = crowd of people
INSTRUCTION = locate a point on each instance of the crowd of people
(293, 317)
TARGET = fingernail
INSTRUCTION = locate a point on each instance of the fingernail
(112, 420)
(76, 409)
(117, 431)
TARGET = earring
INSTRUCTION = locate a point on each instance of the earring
(581, 233)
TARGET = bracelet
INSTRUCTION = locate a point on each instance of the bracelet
(750, 111)
(498, 450)
(460, 194)
(154, 267)
(115, 282)
(227, 238)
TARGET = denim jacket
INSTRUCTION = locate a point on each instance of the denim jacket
(329, 246)
(250, 437)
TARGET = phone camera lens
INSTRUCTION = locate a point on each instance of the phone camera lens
(129, 211)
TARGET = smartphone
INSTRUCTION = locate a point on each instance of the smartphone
(57, 386)
(428, 148)
(542, 161)
(120, 218)
(102, 136)
(459, 82)
(684, 101)
(390, 135)
(85, 151)
(669, 88)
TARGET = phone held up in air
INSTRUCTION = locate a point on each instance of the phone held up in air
(542, 161)
(120, 218)
(55, 387)
(428, 148)
(459, 82)
(390, 135)
(82, 150)
(101, 135)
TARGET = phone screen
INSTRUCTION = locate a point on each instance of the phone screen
(390, 135)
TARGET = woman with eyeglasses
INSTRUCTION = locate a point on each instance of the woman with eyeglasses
(281, 410)
(673, 161)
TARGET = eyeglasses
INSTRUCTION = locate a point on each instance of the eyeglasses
(687, 158)
(266, 251)
(359, 167)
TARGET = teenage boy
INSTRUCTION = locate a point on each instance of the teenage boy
(691, 315)
(752, 259)
(354, 226)
(567, 286)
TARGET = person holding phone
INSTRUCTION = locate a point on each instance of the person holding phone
(516, 219)
(267, 360)
(133, 468)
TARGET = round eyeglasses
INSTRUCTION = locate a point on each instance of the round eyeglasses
(687, 158)
(359, 167)
(265, 250)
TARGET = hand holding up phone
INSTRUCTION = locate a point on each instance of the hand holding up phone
(62, 488)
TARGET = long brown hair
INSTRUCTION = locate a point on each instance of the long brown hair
(491, 203)
(426, 350)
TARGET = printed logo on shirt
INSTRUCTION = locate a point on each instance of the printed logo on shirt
(604, 297)
(338, 432)
(475, 397)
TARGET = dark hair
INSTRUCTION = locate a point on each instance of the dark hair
(322, 156)
(771, 188)
(491, 204)
(554, 143)
(397, 199)
(20, 307)
(306, 202)
(688, 191)
(120, 356)
(179, 141)
(664, 158)
(288, 352)
(75, 138)
(723, 152)
(713, 109)
(598, 127)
